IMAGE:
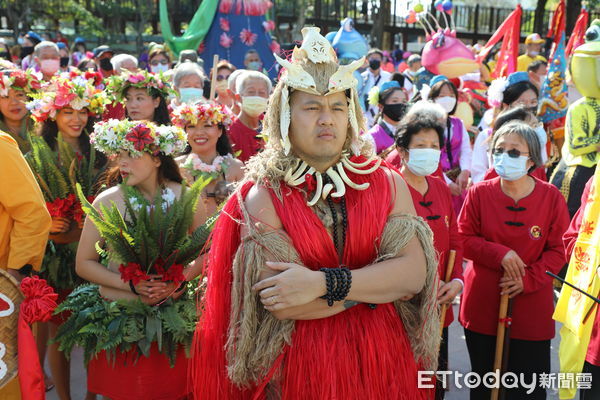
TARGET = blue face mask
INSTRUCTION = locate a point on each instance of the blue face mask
(423, 162)
(510, 168)
(255, 65)
(189, 95)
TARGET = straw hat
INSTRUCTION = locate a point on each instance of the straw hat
(10, 299)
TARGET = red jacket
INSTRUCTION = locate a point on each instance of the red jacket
(492, 224)
(244, 140)
(436, 208)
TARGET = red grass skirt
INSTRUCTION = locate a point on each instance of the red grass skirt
(148, 378)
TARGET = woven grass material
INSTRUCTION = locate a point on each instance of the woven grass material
(10, 299)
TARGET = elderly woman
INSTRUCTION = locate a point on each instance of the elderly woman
(188, 82)
(512, 228)
(122, 62)
(224, 95)
(419, 140)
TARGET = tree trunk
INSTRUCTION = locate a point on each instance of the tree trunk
(301, 12)
(538, 23)
(573, 10)
(379, 21)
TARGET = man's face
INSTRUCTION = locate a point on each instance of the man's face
(48, 53)
(253, 61)
(255, 87)
(319, 126)
(533, 49)
(415, 66)
(538, 76)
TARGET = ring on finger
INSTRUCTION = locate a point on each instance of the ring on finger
(273, 301)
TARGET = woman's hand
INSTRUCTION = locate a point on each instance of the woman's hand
(454, 189)
(60, 225)
(295, 285)
(511, 287)
(513, 265)
(153, 288)
(448, 291)
(463, 179)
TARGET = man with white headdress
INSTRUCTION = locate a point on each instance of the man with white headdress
(321, 279)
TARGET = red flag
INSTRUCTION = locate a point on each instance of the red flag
(557, 27)
(578, 35)
(510, 33)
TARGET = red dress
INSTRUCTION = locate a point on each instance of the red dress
(491, 224)
(569, 240)
(245, 140)
(436, 208)
(357, 354)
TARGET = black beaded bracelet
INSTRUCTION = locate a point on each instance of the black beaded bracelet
(132, 287)
(337, 282)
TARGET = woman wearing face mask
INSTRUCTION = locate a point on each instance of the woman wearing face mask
(253, 89)
(29, 41)
(209, 154)
(419, 140)
(506, 94)
(135, 367)
(66, 111)
(188, 83)
(456, 153)
(144, 95)
(512, 229)
(391, 99)
(79, 51)
(15, 88)
(158, 59)
(224, 95)
(63, 51)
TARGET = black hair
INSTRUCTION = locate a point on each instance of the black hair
(412, 125)
(82, 66)
(398, 77)
(223, 143)
(168, 170)
(161, 113)
(437, 89)
(519, 113)
(513, 92)
(49, 132)
(535, 65)
(387, 93)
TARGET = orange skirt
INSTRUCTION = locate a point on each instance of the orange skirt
(148, 378)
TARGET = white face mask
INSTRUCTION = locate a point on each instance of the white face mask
(447, 103)
(533, 53)
(49, 67)
(510, 168)
(155, 69)
(189, 95)
(423, 162)
(221, 86)
(254, 105)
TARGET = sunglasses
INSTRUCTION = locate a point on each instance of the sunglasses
(222, 77)
(156, 62)
(513, 153)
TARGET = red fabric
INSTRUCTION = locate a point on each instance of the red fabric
(127, 376)
(557, 26)
(486, 240)
(62, 317)
(539, 173)
(244, 139)
(509, 32)
(360, 353)
(39, 303)
(569, 240)
(578, 35)
(437, 201)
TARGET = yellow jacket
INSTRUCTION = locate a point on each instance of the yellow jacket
(524, 60)
(582, 133)
(24, 219)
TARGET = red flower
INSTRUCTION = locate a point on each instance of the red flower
(40, 300)
(174, 273)
(132, 272)
(224, 24)
(96, 76)
(58, 207)
(248, 37)
(20, 79)
(64, 95)
(140, 136)
(78, 213)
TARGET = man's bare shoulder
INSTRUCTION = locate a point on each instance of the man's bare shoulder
(260, 207)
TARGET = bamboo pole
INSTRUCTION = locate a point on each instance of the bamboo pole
(213, 80)
(449, 268)
(500, 334)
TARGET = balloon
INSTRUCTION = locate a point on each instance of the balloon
(438, 5)
(412, 17)
(418, 8)
(447, 5)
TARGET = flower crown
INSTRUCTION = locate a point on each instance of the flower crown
(155, 84)
(212, 113)
(136, 137)
(27, 81)
(68, 90)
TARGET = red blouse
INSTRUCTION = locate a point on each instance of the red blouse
(436, 208)
(492, 224)
(245, 140)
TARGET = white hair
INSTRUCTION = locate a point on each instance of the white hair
(44, 45)
(232, 79)
(426, 107)
(118, 60)
(185, 69)
(246, 76)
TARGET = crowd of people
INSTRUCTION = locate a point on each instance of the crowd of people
(337, 211)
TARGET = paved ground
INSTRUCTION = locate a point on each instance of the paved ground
(459, 361)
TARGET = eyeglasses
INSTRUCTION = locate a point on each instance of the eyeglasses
(221, 77)
(512, 153)
(156, 62)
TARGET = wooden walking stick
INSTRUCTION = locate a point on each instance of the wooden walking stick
(449, 268)
(213, 80)
(502, 341)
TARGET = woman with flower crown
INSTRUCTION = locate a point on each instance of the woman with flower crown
(130, 358)
(209, 151)
(15, 88)
(144, 95)
(65, 111)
